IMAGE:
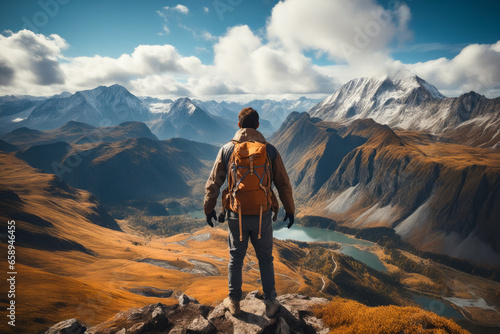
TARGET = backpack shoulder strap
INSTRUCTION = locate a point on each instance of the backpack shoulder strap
(226, 154)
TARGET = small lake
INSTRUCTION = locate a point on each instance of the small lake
(196, 214)
(308, 234)
(437, 306)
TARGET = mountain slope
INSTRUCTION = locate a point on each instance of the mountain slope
(439, 197)
(272, 111)
(11, 105)
(80, 133)
(442, 198)
(136, 168)
(100, 106)
(30, 205)
(184, 119)
(310, 152)
(412, 103)
(201, 151)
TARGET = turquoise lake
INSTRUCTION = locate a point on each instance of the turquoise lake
(308, 234)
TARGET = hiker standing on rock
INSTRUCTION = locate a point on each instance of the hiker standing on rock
(251, 165)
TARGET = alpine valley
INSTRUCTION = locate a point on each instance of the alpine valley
(106, 191)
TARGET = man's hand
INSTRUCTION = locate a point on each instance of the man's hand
(211, 216)
(291, 219)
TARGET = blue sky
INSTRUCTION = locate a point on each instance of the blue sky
(419, 34)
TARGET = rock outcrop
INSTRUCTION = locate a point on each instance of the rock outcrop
(294, 316)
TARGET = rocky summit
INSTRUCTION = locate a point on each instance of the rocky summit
(294, 316)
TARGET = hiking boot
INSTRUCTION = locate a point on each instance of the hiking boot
(233, 306)
(271, 307)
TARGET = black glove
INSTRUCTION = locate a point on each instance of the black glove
(211, 216)
(292, 219)
(222, 216)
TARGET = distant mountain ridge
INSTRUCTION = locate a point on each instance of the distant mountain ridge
(186, 120)
(273, 111)
(412, 103)
(98, 107)
(134, 168)
(79, 133)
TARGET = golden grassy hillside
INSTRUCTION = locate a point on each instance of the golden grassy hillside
(71, 267)
(347, 316)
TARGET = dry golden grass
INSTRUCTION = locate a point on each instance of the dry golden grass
(54, 285)
(347, 316)
(452, 155)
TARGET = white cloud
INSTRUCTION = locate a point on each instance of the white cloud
(476, 68)
(165, 31)
(271, 62)
(28, 59)
(206, 35)
(201, 49)
(145, 60)
(33, 64)
(344, 29)
(158, 85)
(179, 8)
(162, 14)
(242, 59)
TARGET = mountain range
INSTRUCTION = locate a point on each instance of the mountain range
(411, 103)
(439, 197)
(78, 133)
(273, 111)
(355, 160)
(210, 121)
(101, 106)
(117, 163)
(361, 148)
(184, 119)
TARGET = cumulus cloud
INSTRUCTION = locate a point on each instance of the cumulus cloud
(243, 59)
(158, 85)
(33, 64)
(31, 59)
(6, 74)
(145, 60)
(269, 62)
(476, 68)
(344, 29)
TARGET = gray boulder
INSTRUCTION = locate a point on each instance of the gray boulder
(185, 299)
(69, 326)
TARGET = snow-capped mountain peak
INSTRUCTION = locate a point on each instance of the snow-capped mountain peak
(388, 100)
(98, 106)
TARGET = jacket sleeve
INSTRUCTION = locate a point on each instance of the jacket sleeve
(214, 183)
(282, 183)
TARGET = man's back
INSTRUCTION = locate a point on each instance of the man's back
(247, 151)
(279, 175)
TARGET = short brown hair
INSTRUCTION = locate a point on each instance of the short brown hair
(248, 118)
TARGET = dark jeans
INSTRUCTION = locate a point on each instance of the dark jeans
(263, 248)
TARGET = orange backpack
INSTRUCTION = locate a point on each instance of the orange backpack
(249, 181)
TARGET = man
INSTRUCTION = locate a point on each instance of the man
(256, 225)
